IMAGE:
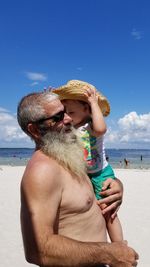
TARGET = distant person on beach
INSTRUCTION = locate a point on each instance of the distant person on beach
(107, 157)
(141, 158)
(126, 162)
(61, 222)
(88, 119)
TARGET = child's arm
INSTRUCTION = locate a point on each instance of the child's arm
(98, 123)
(114, 228)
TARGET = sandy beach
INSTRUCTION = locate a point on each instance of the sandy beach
(134, 214)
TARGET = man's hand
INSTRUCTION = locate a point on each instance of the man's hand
(112, 191)
(123, 256)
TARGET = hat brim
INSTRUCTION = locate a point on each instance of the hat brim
(75, 89)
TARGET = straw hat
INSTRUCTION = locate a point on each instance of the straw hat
(74, 90)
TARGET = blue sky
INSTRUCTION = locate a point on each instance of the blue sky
(104, 42)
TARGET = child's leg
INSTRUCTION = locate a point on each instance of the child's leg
(114, 228)
(113, 225)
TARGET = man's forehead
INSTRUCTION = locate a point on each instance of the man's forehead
(54, 106)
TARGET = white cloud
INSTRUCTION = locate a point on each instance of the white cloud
(131, 131)
(136, 34)
(10, 131)
(3, 110)
(5, 117)
(34, 83)
(132, 122)
(35, 76)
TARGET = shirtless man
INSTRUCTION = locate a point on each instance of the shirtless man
(62, 224)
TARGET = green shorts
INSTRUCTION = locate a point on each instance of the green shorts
(98, 178)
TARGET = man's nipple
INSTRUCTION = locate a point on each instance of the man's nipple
(89, 200)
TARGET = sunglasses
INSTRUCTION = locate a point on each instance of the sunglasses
(54, 119)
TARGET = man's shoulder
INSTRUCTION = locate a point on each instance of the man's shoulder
(42, 178)
(39, 161)
(41, 169)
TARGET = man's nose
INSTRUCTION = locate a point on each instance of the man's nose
(67, 119)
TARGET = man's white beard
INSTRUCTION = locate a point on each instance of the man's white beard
(67, 150)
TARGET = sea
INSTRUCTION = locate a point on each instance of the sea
(118, 158)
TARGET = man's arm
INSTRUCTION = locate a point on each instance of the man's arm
(41, 197)
(112, 192)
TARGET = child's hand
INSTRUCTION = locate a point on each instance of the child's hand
(91, 95)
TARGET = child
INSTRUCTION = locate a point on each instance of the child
(88, 118)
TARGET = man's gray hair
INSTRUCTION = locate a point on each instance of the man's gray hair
(32, 108)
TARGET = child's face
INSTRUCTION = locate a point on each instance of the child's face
(77, 110)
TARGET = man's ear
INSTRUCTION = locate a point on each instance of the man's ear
(33, 130)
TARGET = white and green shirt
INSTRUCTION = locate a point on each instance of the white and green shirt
(94, 150)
